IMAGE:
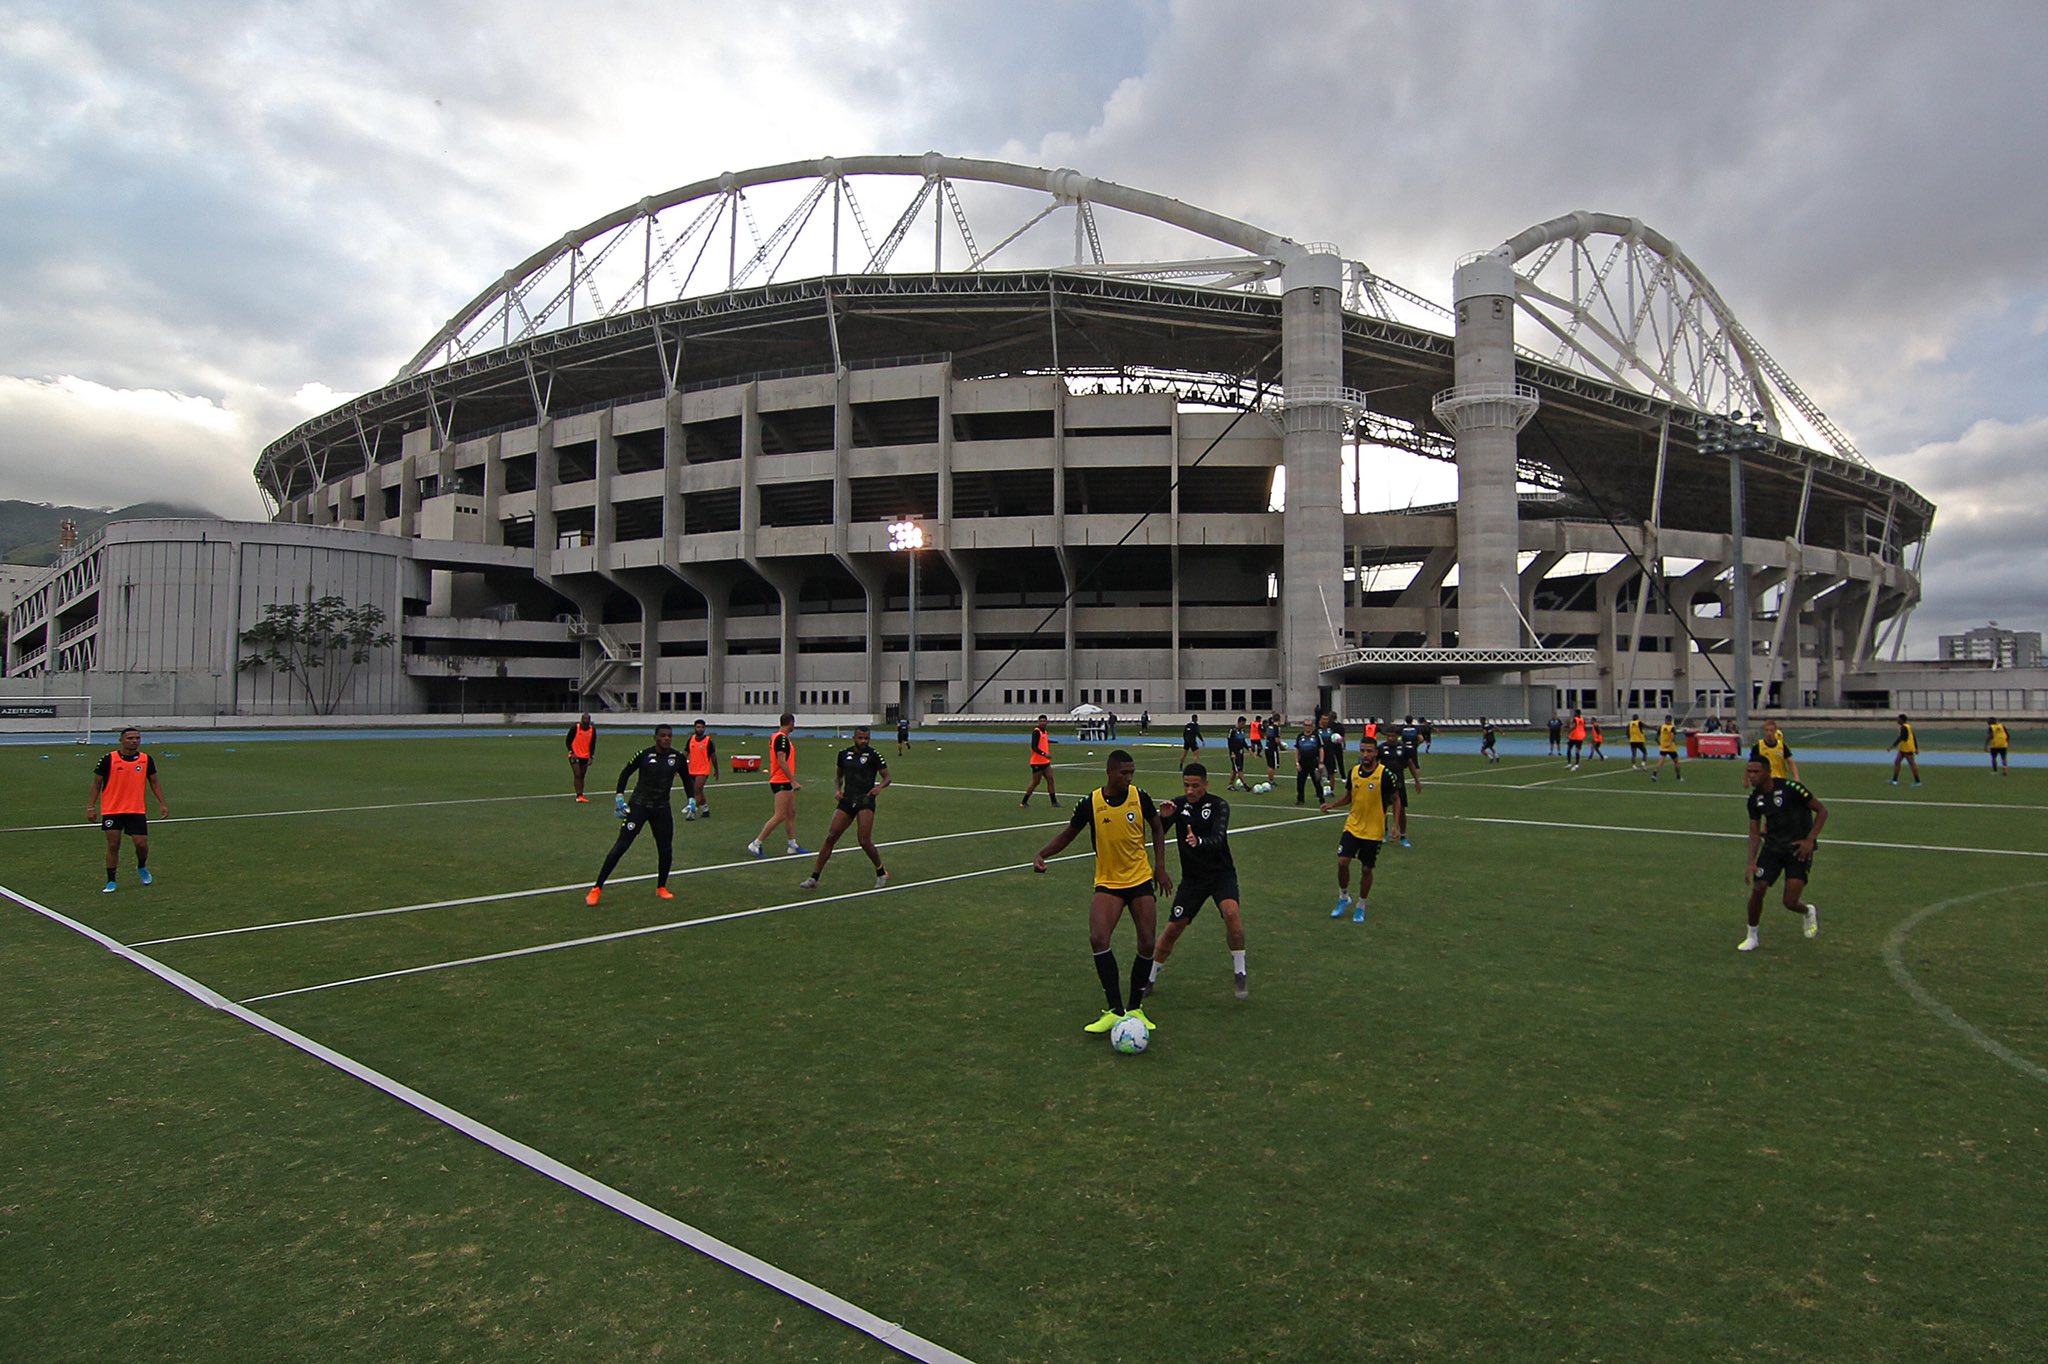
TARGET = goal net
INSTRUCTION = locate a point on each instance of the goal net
(68, 717)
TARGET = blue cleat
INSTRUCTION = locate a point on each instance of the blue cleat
(143, 872)
(1343, 903)
(107, 889)
(1406, 844)
(1359, 916)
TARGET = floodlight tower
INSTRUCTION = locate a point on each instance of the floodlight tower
(908, 536)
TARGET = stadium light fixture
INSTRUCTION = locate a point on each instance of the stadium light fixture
(907, 536)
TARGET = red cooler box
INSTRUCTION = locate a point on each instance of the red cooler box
(746, 762)
(1713, 745)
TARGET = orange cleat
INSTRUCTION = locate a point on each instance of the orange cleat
(583, 800)
(664, 892)
(596, 894)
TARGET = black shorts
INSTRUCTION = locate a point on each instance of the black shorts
(580, 764)
(781, 785)
(1771, 861)
(135, 826)
(1401, 787)
(1190, 895)
(1128, 893)
(1237, 760)
(1366, 850)
(853, 806)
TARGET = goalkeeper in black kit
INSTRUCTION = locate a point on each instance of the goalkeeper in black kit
(1199, 823)
(655, 769)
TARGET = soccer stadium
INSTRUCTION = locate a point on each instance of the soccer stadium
(670, 462)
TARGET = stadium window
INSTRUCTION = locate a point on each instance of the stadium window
(1262, 698)
(1059, 696)
(1006, 697)
(1215, 698)
(1237, 698)
(1193, 698)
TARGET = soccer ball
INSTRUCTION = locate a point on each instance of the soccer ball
(1262, 788)
(1130, 1036)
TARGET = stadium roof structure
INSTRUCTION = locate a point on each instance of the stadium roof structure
(684, 290)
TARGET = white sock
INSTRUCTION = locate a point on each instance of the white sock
(1237, 961)
(1752, 935)
(1157, 967)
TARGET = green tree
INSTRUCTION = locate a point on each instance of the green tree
(321, 643)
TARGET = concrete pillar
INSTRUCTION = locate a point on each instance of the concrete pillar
(1312, 559)
(1485, 412)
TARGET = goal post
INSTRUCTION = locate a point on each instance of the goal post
(67, 716)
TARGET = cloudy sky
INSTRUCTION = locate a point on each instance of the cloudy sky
(219, 218)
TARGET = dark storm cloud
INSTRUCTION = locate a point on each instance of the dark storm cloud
(233, 200)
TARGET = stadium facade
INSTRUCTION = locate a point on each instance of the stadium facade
(629, 487)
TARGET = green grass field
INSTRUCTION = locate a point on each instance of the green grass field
(1537, 1108)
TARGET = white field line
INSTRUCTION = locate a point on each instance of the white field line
(1489, 770)
(280, 814)
(1830, 842)
(648, 929)
(1895, 962)
(1895, 803)
(831, 1304)
(783, 858)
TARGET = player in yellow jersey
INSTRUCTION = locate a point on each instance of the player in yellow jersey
(1773, 749)
(1638, 744)
(1122, 819)
(1667, 749)
(1997, 743)
(1904, 748)
(1367, 790)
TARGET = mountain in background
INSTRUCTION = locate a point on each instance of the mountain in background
(28, 530)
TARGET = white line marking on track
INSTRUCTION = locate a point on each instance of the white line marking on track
(554, 890)
(1895, 962)
(279, 814)
(1717, 833)
(1890, 803)
(756, 912)
(831, 1304)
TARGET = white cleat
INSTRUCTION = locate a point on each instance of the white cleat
(1812, 921)
(1746, 945)
(808, 883)
(881, 879)
(756, 849)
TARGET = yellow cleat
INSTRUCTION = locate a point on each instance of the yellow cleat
(1139, 1014)
(1110, 1018)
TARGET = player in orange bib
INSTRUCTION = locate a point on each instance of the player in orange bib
(783, 784)
(582, 742)
(1041, 765)
(700, 751)
(117, 803)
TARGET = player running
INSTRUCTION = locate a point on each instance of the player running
(902, 735)
(1907, 745)
(654, 769)
(1201, 828)
(1367, 791)
(117, 803)
(1041, 765)
(1598, 740)
(1575, 742)
(702, 752)
(1190, 740)
(1999, 745)
(582, 742)
(1120, 817)
(1428, 736)
(858, 777)
(1785, 821)
(1638, 744)
(1237, 742)
(783, 786)
(1489, 737)
(1667, 749)
(1773, 749)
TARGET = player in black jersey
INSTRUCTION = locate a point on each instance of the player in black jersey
(1200, 824)
(1785, 821)
(858, 776)
(655, 769)
(1237, 743)
(1403, 762)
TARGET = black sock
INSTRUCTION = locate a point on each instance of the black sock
(141, 861)
(1141, 976)
(111, 871)
(1105, 967)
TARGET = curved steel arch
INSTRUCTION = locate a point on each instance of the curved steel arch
(1267, 252)
(1642, 310)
